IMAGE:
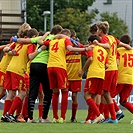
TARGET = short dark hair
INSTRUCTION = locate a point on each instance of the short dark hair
(25, 33)
(125, 39)
(93, 37)
(73, 33)
(41, 33)
(32, 32)
(93, 29)
(66, 32)
(56, 29)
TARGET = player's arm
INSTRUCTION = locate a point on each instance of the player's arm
(60, 36)
(85, 67)
(9, 51)
(104, 45)
(118, 58)
(84, 53)
(20, 40)
(121, 44)
(41, 40)
(6, 48)
(12, 52)
(3, 46)
(74, 49)
(24, 40)
(127, 46)
(10, 48)
(106, 63)
(32, 55)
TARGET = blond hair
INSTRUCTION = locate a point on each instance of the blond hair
(104, 26)
(22, 28)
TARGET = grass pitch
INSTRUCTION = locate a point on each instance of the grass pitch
(123, 126)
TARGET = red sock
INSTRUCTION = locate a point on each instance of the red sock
(93, 114)
(101, 108)
(64, 104)
(16, 103)
(112, 111)
(93, 106)
(7, 106)
(74, 110)
(106, 111)
(19, 109)
(98, 105)
(129, 106)
(55, 104)
(25, 108)
(40, 109)
(89, 116)
(116, 106)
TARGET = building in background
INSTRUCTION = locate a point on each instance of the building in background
(12, 15)
(122, 7)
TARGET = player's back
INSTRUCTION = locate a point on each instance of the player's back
(19, 61)
(57, 53)
(97, 66)
(112, 53)
(125, 67)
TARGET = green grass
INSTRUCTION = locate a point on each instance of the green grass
(124, 125)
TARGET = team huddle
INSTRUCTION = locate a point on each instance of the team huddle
(44, 65)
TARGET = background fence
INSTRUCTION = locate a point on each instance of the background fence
(82, 103)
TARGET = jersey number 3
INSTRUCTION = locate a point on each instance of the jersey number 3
(101, 55)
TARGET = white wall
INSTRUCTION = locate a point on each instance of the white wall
(122, 7)
(13, 7)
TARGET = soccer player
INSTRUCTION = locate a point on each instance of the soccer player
(5, 62)
(57, 71)
(40, 61)
(125, 74)
(74, 64)
(38, 74)
(15, 78)
(112, 70)
(95, 77)
(3, 66)
(30, 34)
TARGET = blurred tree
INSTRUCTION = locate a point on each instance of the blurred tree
(82, 5)
(35, 19)
(76, 20)
(35, 10)
(117, 25)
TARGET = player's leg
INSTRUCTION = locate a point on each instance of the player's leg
(18, 100)
(74, 87)
(34, 87)
(74, 106)
(124, 94)
(40, 104)
(64, 104)
(47, 93)
(55, 99)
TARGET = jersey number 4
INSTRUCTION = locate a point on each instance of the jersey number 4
(55, 47)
